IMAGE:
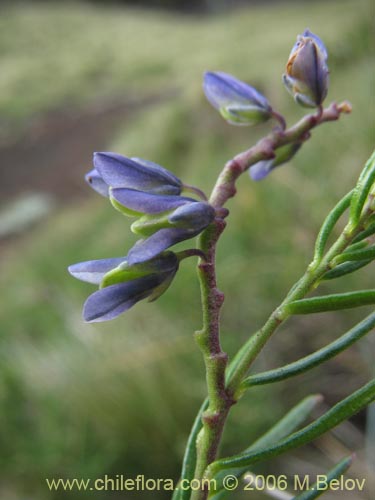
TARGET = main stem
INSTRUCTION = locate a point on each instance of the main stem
(220, 396)
(208, 339)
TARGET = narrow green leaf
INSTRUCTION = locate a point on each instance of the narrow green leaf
(291, 421)
(332, 302)
(362, 189)
(346, 268)
(334, 473)
(369, 231)
(340, 412)
(356, 246)
(188, 464)
(314, 359)
(365, 254)
(328, 225)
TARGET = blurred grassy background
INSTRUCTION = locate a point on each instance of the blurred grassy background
(87, 400)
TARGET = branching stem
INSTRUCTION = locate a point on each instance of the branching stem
(222, 396)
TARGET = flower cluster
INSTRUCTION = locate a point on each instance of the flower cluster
(306, 78)
(152, 195)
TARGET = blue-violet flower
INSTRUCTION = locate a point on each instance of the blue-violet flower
(117, 171)
(122, 285)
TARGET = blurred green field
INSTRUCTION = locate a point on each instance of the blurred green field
(87, 400)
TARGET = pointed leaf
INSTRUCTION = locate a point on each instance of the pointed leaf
(328, 226)
(359, 255)
(190, 457)
(316, 491)
(290, 422)
(365, 183)
(314, 359)
(343, 269)
(339, 413)
(331, 302)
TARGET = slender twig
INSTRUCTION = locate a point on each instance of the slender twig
(221, 396)
(265, 149)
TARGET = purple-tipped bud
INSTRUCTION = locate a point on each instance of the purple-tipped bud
(193, 216)
(261, 169)
(122, 284)
(306, 76)
(186, 222)
(117, 171)
(237, 102)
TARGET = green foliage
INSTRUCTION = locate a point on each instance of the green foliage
(339, 413)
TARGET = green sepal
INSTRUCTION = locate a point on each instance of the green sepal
(124, 273)
(244, 114)
(285, 153)
(315, 491)
(148, 224)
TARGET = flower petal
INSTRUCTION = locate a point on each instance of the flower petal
(260, 170)
(119, 171)
(109, 302)
(148, 203)
(175, 182)
(308, 34)
(94, 179)
(93, 271)
(149, 248)
(223, 89)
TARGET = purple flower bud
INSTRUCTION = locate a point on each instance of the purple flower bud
(185, 222)
(237, 102)
(116, 171)
(261, 169)
(123, 284)
(306, 76)
(192, 216)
